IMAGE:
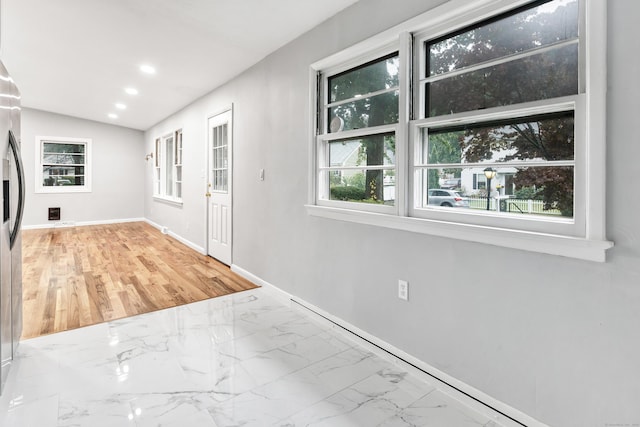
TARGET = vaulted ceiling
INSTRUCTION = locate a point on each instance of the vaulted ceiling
(76, 57)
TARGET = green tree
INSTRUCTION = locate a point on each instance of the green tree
(368, 111)
(444, 147)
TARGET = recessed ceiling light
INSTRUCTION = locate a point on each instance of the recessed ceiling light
(121, 106)
(147, 69)
(131, 91)
(113, 116)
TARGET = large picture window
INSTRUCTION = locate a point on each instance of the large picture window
(63, 165)
(480, 120)
(501, 97)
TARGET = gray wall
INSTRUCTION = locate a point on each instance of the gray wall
(118, 171)
(556, 338)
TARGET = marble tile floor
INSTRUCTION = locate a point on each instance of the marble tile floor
(247, 359)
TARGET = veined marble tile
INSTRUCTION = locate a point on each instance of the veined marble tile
(289, 394)
(36, 413)
(246, 359)
(437, 409)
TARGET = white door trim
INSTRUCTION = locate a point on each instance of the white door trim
(209, 181)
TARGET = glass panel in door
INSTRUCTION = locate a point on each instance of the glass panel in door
(219, 158)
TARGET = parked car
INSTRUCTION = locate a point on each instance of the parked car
(445, 197)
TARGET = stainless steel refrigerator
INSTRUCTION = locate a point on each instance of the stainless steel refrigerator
(13, 194)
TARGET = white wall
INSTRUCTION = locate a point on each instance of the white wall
(556, 338)
(117, 170)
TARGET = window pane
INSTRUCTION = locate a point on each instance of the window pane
(548, 137)
(368, 186)
(219, 158)
(54, 176)
(379, 75)
(49, 147)
(540, 26)
(373, 150)
(178, 147)
(546, 190)
(220, 181)
(63, 159)
(545, 75)
(373, 111)
(362, 184)
(169, 161)
(157, 156)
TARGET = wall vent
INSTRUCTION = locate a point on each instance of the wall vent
(54, 214)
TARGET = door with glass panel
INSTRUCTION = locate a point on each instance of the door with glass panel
(219, 185)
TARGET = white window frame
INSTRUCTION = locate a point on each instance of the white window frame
(554, 225)
(324, 137)
(160, 178)
(40, 188)
(584, 237)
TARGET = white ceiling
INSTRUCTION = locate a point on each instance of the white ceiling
(75, 57)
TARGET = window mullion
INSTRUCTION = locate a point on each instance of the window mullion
(553, 105)
(404, 115)
(361, 97)
(357, 168)
(355, 133)
(512, 163)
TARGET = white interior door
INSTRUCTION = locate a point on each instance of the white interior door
(219, 215)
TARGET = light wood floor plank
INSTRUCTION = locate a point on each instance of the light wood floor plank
(79, 276)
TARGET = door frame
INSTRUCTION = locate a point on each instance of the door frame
(208, 179)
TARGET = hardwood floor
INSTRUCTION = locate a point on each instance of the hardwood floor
(80, 276)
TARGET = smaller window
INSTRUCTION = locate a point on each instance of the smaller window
(156, 168)
(63, 165)
(479, 181)
(357, 138)
(168, 166)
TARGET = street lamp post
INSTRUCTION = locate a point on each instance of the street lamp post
(489, 173)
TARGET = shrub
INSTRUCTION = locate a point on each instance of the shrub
(347, 193)
(527, 193)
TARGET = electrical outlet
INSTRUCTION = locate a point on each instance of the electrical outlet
(403, 290)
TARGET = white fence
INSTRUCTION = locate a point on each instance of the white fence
(525, 206)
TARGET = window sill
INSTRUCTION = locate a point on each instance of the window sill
(573, 247)
(63, 189)
(168, 201)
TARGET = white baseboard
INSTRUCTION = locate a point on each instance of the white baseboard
(66, 224)
(283, 296)
(179, 238)
(475, 398)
